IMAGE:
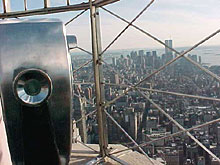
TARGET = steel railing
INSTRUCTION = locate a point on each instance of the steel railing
(98, 62)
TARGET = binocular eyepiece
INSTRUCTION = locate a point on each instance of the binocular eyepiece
(32, 87)
(36, 90)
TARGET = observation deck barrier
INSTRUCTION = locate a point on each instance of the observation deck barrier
(100, 109)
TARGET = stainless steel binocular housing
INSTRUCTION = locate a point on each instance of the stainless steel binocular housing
(36, 91)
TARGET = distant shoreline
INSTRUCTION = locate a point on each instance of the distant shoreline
(210, 54)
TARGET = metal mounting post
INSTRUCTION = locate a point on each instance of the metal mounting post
(46, 3)
(98, 76)
(25, 5)
(6, 6)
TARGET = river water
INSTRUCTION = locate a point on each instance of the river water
(210, 54)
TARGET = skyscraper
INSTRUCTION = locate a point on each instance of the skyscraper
(169, 43)
(168, 53)
(114, 61)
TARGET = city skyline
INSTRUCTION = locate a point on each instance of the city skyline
(183, 21)
(165, 104)
(142, 120)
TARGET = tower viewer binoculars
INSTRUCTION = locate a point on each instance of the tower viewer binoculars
(36, 90)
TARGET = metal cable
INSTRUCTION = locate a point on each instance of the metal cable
(167, 92)
(162, 67)
(133, 141)
(83, 83)
(82, 66)
(176, 58)
(122, 162)
(176, 123)
(86, 51)
(169, 136)
(90, 113)
(122, 129)
(87, 146)
(161, 42)
(116, 121)
(117, 37)
(203, 69)
(210, 73)
(98, 160)
(68, 22)
(179, 126)
(85, 99)
(83, 118)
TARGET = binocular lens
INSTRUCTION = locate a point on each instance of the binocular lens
(32, 86)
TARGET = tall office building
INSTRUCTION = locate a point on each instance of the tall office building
(168, 53)
(114, 61)
(169, 43)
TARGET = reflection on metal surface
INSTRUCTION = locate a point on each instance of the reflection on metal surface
(35, 69)
(71, 41)
(32, 86)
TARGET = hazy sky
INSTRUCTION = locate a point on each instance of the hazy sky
(184, 21)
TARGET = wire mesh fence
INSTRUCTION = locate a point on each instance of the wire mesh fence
(142, 88)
